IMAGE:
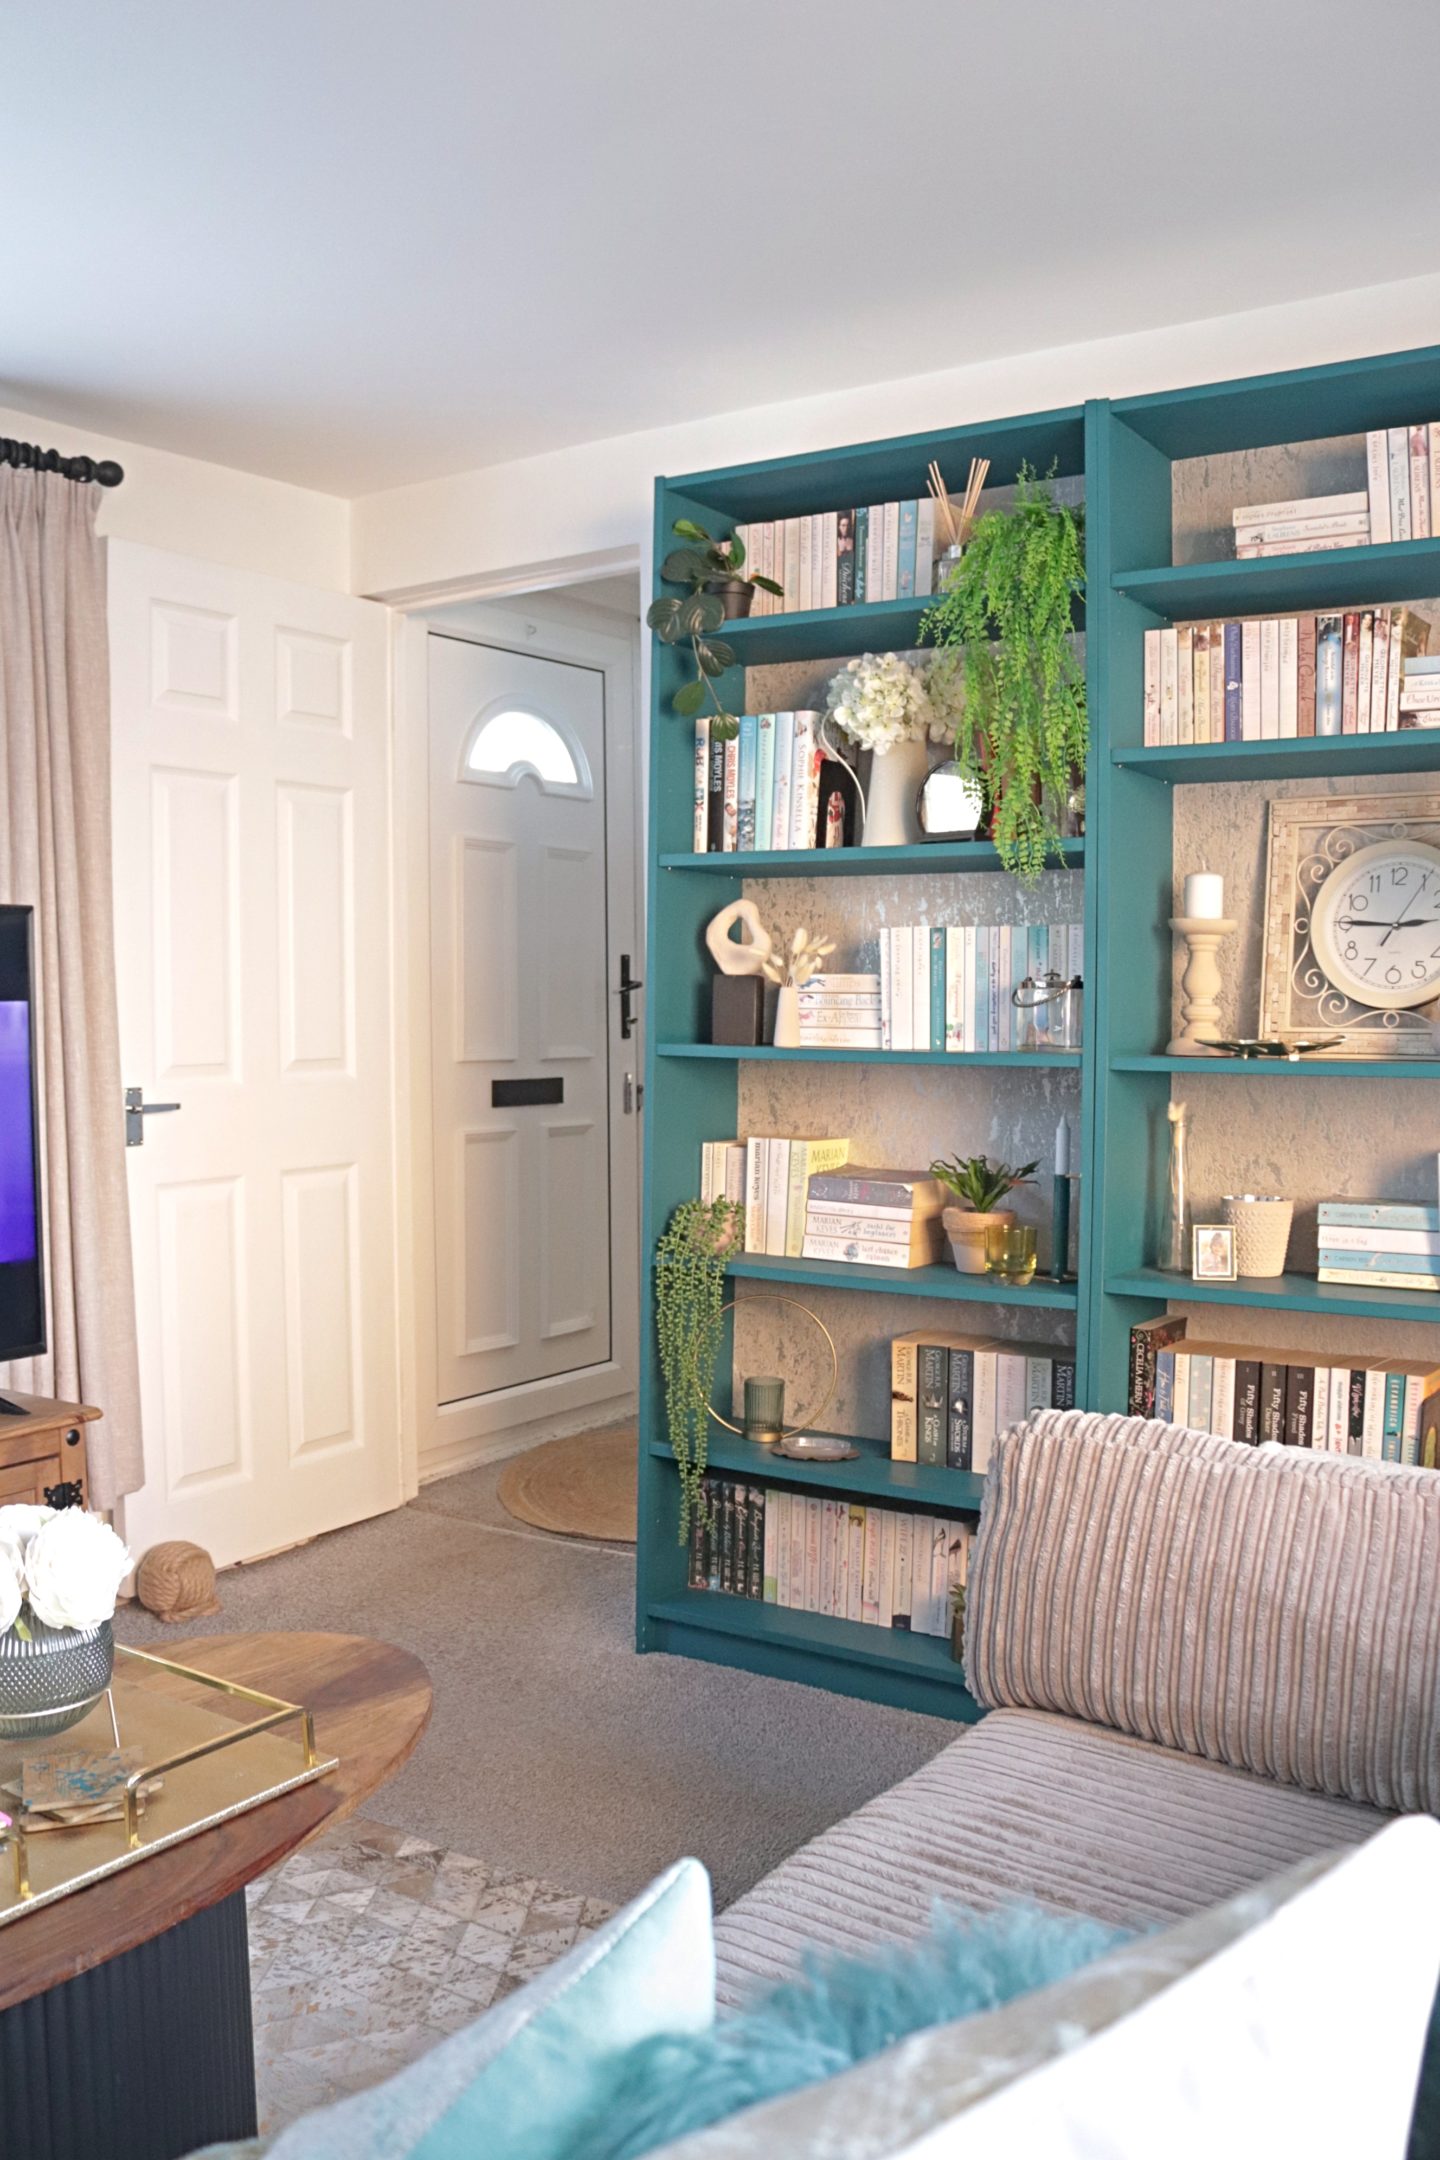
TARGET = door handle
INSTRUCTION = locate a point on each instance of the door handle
(629, 984)
(136, 1112)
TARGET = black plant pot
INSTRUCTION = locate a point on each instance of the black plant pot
(736, 594)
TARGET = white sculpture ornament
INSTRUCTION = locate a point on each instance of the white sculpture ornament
(747, 954)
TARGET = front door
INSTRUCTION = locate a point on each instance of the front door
(520, 1065)
(252, 930)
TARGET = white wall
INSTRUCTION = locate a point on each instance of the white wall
(595, 499)
(210, 511)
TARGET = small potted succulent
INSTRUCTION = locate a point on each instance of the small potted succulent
(979, 1187)
(720, 588)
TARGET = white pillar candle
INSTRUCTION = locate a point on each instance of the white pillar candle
(1062, 1148)
(1204, 895)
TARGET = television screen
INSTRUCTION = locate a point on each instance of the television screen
(22, 1304)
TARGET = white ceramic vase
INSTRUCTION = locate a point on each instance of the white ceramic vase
(787, 1018)
(1261, 1223)
(892, 817)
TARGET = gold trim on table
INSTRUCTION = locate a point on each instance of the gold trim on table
(194, 1768)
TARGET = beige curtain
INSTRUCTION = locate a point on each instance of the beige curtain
(55, 855)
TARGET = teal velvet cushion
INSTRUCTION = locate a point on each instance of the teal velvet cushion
(841, 2011)
(528, 2079)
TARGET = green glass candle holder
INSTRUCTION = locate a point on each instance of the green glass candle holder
(1010, 1252)
(764, 1409)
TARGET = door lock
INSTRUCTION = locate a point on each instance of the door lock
(136, 1112)
(629, 984)
(632, 1094)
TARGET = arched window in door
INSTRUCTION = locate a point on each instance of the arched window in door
(508, 742)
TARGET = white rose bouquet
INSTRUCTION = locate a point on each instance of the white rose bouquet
(881, 699)
(62, 1568)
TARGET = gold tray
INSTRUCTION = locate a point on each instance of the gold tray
(213, 1766)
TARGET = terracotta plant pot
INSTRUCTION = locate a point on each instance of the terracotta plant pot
(966, 1232)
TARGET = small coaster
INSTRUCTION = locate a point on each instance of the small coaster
(817, 1447)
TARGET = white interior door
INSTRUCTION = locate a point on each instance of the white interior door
(520, 1069)
(253, 958)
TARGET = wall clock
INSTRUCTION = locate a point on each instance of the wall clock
(1352, 923)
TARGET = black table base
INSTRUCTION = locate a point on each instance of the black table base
(142, 2058)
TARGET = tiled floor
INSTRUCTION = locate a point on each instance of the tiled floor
(368, 1946)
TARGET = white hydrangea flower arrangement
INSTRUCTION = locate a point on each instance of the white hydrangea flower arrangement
(881, 699)
(63, 1568)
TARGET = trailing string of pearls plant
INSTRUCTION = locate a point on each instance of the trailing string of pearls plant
(690, 1262)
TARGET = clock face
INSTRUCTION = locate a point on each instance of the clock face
(1375, 924)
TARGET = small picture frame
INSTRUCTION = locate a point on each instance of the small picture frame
(1212, 1253)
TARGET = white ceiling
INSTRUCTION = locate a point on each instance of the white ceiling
(352, 243)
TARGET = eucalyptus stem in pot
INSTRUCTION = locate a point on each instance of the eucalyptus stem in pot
(719, 587)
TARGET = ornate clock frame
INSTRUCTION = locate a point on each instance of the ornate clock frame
(1309, 837)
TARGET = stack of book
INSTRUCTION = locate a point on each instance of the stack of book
(951, 1394)
(885, 1567)
(881, 1218)
(1267, 679)
(776, 1175)
(885, 551)
(1420, 691)
(951, 987)
(1391, 1243)
(1403, 480)
(1308, 526)
(1385, 1408)
(840, 1012)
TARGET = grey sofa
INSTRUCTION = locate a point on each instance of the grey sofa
(1202, 1662)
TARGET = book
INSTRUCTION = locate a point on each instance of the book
(745, 799)
(1399, 459)
(1350, 672)
(1380, 1214)
(1420, 482)
(1147, 1339)
(1356, 504)
(862, 539)
(845, 594)
(922, 1249)
(858, 1184)
(805, 1158)
(764, 779)
(889, 551)
(1232, 681)
(1329, 674)
(784, 762)
(924, 545)
(1250, 681)
(700, 838)
(826, 550)
(1305, 675)
(1269, 680)
(905, 552)
(1377, 484)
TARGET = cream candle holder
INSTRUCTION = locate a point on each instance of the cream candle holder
(1200, 984)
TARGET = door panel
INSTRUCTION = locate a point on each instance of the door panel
(519, 962)
(251, 806)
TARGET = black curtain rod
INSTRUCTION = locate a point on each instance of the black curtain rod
(31, 459)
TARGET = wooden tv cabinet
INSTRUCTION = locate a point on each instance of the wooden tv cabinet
(42, 1454)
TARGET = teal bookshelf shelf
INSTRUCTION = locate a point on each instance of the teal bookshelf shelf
(1124, 449)
(956, 1060)
(923, 861)
(1316, 757)
(1288, 584)
(871, 1476)
(1310, 1068)
(915, 1672)
(926, 1282)
(1282, 1293)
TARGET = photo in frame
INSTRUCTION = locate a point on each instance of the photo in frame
(1212, 1253)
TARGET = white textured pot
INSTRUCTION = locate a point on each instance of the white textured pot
(787, 1018)
(966, 1232)
(1261, 1223)
(892, 818)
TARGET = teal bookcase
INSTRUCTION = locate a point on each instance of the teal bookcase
(1125, 450)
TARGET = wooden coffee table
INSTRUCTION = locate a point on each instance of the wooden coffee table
(125, 2008)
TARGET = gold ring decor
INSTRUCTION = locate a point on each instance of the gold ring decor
(770, 1297)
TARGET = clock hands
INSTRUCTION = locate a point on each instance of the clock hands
(1368, 922)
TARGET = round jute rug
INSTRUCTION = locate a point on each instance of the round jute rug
(583, 1486)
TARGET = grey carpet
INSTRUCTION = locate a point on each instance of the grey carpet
(554, 1750)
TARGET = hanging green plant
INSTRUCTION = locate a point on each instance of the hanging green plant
(719, 587)
(689, 1301)
(1003, 626)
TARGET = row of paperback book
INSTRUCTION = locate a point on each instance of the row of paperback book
(1393, 1244)
(1364, 672)
(885, 551)
(886, 1567)
(1384, 1408)
(950, 1395)
(1307, 526)
(840, 1012)
(1402, 466)
(770, 786)
(777, 1175)
(951, 987)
